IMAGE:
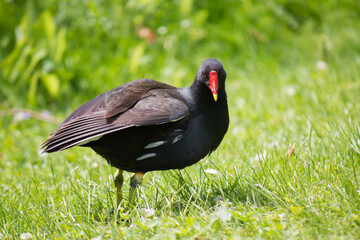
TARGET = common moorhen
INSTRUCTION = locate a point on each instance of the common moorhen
(145, 125)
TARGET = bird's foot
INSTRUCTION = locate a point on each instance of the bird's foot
(135, 182)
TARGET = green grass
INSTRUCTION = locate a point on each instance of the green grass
(258, 192)
(293, 78)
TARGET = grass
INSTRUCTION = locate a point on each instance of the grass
(259, 190)
(293, 87)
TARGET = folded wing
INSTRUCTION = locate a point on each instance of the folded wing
(105, 114)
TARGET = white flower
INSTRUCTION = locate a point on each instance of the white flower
(162, 30)
(290, 90)
(211, 171)
(26, 236)
(321, 65)
(97, 238)
(185, 23)
(222, 212)
(358, 191)
(148, 212)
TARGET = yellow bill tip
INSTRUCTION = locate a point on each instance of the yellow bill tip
(215, 96)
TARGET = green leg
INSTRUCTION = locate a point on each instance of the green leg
(134, 183)
(119, 179)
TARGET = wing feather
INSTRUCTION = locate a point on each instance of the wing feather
(154, 107)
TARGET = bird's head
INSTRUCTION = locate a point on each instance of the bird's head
(212, 74)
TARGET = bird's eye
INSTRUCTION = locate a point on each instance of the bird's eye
(204, 75)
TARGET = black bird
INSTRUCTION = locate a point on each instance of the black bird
(145, 125)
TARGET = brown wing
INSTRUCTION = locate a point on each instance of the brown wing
(117, 100)
(156, 106)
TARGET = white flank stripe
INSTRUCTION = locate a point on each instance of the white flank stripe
(177, 138)
(148, 155)
(155, 144)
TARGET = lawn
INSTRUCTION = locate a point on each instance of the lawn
(288, 167)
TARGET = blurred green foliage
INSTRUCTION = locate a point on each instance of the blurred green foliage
(64, 51)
